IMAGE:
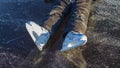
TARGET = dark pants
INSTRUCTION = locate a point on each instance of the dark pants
(79, 14)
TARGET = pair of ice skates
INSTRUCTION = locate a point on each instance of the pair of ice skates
(40, 36)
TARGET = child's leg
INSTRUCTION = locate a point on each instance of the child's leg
(77, 25)
(56, 13)
(79, 15)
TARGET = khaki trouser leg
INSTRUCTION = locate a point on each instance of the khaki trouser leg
(79, 15)
(56, 13)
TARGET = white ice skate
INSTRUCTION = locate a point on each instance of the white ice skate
(39, 34)
(73, 40)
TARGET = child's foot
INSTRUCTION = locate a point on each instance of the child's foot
(73, 40)
(39, 34)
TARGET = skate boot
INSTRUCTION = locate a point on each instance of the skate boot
(73, 40)
(39, 34)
